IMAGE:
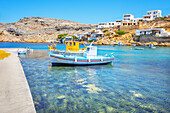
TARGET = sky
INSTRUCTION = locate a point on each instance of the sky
(82, 11)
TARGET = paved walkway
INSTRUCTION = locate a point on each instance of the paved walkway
(15, 95)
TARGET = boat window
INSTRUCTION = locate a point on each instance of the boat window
(70, 43)
(67, 43)
(74, 43)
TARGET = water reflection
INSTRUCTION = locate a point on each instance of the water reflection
(130, 85)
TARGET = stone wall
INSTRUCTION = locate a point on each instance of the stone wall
(152, 38)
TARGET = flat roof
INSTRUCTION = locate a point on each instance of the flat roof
(119, 20)
(153, 10)
(147, 16)
(103, 22)
(128, 22)
(127, 14)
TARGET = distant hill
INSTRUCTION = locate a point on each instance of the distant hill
(41, 28)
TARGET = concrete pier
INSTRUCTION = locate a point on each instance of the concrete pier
(15, 95)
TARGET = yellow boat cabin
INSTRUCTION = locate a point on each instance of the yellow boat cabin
(74, 46)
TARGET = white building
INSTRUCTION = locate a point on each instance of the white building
(139, 19)
(128, 18)
(109, 24)
(156, 31)
(103, 25)
(118, 22)
(112, 24)
(152, 14)
(106, 25)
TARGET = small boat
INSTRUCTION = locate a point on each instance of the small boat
(133, 45)
(138, 48)
(152, 46)
(119, 44)
(74, 55)
(22, 51)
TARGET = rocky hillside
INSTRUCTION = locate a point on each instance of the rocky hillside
(39, 28)
(155, 24)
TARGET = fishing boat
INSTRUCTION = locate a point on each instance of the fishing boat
(76, 55)
(139, 48)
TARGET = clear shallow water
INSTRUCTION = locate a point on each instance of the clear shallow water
(137, 82)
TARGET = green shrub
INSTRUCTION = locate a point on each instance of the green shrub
(25, 23)
(162, 18)
(105, 30)
(12, 33)
(74, 37)
(120, 32)
(93, 31)
(2, 32)
(91, 40)
(61, 36)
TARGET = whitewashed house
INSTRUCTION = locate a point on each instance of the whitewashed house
(103, 25)
(96, 36)
(156, 31)
(139, 19)
(128, 18)
(112, 24)
(118, 22)
(109, 24)
(152, 14)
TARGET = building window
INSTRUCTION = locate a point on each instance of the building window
(126, 15)
(124, 23)
(112, 23)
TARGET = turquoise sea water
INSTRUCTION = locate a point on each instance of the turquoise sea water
(138, 81)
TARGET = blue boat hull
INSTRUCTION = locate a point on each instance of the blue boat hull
(62, 60)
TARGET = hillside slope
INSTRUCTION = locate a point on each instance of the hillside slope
(40, 28)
